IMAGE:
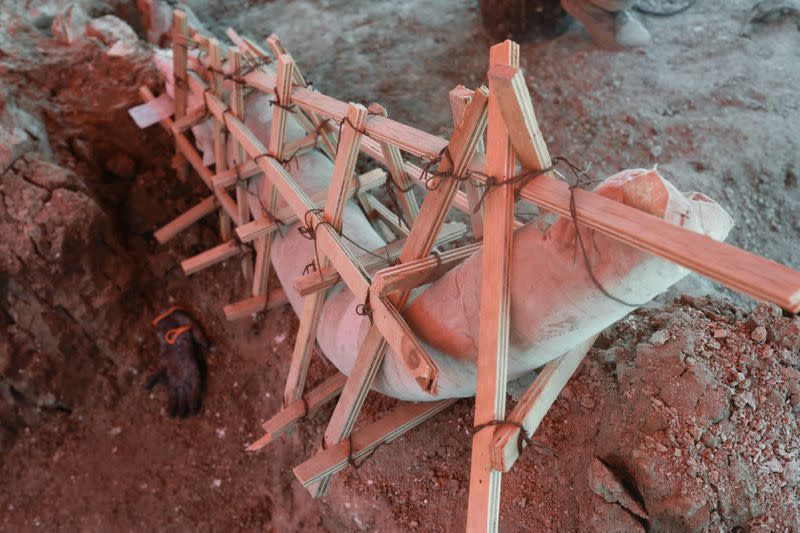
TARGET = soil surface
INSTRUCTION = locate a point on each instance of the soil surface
(682, 418)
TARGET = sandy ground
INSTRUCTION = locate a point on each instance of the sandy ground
(718, 112)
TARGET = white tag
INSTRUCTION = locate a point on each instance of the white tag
(146, 115)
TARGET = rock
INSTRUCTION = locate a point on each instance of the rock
(68, 26)
(759, 334)
(110, 29)
(660, 337)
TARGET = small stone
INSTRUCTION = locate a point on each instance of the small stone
(659, 337)
(696, 433)
(713, 345)
(660, 448)
(115, 431)
(759, 334)
(677, 452)
(217, 483)
(587, 401)
(720, 334)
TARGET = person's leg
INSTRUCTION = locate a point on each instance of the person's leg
(608, 22)
(597, 21)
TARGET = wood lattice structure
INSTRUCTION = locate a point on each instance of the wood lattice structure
(502, 117)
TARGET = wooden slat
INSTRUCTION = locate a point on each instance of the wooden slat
(490, 398)
(388, 217)
(255, 304)
(755, 276)
(203, 208)
(408, 276)
(535, 404)
(400, 420)
(343, 171)
(210, 257)
(285, 419)
(418, 244)
(459, 98)
(190, 120)
(180, 56)
(220, 140)
(329, 143)
(313, 282)
(269, 194)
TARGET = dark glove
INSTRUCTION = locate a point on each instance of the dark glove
(179, 365)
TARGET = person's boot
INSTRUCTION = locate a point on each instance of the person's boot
(629, 32)
(598, 22)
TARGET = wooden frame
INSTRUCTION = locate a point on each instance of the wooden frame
(513, 134)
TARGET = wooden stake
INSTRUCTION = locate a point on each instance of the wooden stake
(419, 243)
(255, 304)
(220, 135)
(210, 257)
(285, 419)
(459, 98)
(400, 420)
(269, 194)
(182, 222)
(490, 397)
(180, 56)
(343, 170)
(237, 106)
(535, 404)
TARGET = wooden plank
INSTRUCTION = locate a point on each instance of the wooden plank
(229, 177)
(190, 120)
(237, 106)
(255, 304)
(410, 275)
(210, 257)
(459, 98)
(394, 163)
(203, 208)
(388, 217)
(418, 244)
(743, 271)
(401, 419)
(180, 56)
(329, 143)
(227, 203)
(220, 137)
(269, 193)
(285, 419)
(535, 404)
(313, 282)
(343, 171)
(490, 398)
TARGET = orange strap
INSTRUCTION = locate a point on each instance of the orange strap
(165, 314)
(172, 335)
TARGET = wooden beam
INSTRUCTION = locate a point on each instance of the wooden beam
(343, 172)
(459, 98)
(203, 208)
(535, 404)
(285, 419)
(334, 459)
(388, 217)
(237, 106)
(180, 57)
(210, 257)
(313, 281)
(269, 194)
(490, 398)
(255, 304)
(220, 137)
(190, 120)
(418, 244)
(408, 276)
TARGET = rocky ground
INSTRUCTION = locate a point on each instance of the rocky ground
(682, 418)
